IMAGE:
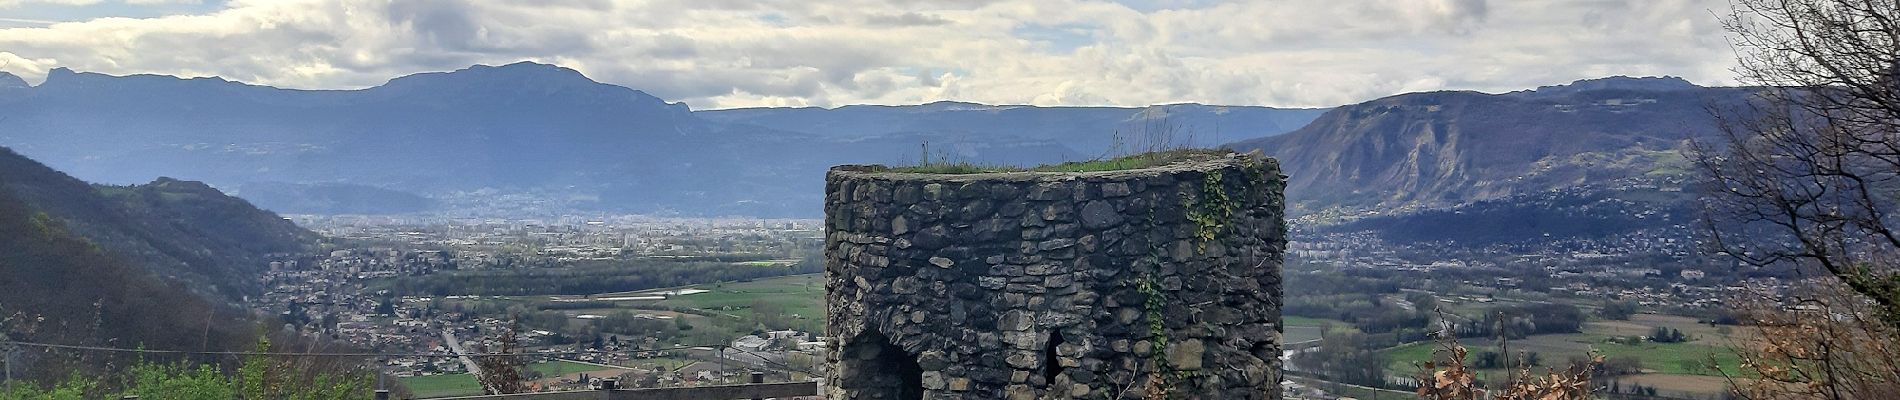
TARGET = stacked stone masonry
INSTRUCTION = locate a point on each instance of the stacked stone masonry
(1156, 282)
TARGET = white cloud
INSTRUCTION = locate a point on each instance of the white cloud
(5, 4)
(727, 53)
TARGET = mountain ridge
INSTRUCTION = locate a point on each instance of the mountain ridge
(158, 265)
(540, 130)
(185, 231)
(1444, 148)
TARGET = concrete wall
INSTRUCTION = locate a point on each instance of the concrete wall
(1090, 285)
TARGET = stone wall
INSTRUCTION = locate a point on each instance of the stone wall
(1096, 285)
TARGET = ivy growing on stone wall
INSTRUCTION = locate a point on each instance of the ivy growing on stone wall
(1210, 210)
(1163, 378)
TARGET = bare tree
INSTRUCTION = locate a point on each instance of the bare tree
(1818, 343)
(501, 368)
(1808, 178)
(1809, 174)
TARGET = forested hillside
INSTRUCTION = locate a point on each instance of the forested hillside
(181, 230)
(56, 286)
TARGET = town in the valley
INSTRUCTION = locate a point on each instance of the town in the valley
(666, 302)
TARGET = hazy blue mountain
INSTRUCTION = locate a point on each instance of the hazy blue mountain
(530, 128)
(10, 81)
(332, 198)
(1084, 130)
(1447, 148)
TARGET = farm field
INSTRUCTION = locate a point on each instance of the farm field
(1291, 320)
(801, 295)
(443, 385)
(564, 367)
(1672, 367)
(1301, 329)
(1677, 385)
(1670, 358)
(1297, 334)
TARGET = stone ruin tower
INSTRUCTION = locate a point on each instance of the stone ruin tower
(1161, 281)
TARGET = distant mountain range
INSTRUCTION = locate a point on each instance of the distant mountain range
(542, 130)
(452, 139)
(1440, 149)
(149, 265)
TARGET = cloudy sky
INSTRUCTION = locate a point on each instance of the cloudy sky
(739, 53)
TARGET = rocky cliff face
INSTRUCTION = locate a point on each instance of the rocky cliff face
(1056, 285)
(1446, 148)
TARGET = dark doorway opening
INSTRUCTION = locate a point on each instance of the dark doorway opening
(877, 366)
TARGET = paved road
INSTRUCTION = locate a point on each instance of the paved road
(456, 347)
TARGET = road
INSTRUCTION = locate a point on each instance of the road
(455, 346)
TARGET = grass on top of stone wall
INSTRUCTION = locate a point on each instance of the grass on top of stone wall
(1136, 161)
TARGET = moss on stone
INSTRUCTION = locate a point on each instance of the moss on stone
(1136, 161)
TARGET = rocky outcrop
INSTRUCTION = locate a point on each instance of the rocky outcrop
(1096, 285)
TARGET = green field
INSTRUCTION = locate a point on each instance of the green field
(443, 385)
(1291, 320)
(1676, 358)
(1668, 358)
(564, 367)
(1301, 329)
(802, 295)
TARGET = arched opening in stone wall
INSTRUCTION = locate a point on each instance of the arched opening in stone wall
(882, 367)
(1051, 361)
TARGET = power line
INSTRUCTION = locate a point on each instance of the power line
(768, 360)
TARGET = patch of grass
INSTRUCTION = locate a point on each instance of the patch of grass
(443, 385)
(1294, 320)
(1404, 356)
(1676, 358)
(1667, 358)
(564, 367)
(1298, 334)
(799, 294)
(803, 295)
(1137, 161)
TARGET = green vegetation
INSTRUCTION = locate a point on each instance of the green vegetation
(1210, 210)
(1295, 320)
(1665, 163)
(1164, 374)
(1676, 358)
(443, 385)
(1136, 161)
(259, 377)
(564, 367)
(796, 301)
(59, 285)
(1667, 358)
(1617, 310)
